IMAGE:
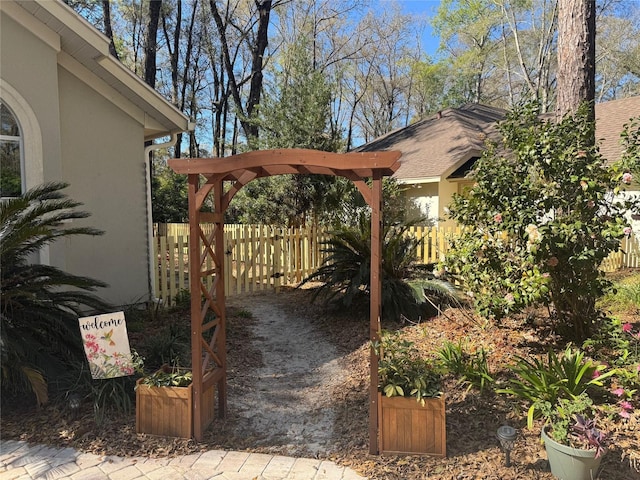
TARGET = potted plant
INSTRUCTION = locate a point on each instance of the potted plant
(411, 407)
(164, 403)
(574, 443)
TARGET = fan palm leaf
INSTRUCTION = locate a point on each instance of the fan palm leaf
(40, 304)
(346, 272)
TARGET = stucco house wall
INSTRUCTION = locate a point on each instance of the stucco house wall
(84, 120)
(103, 163)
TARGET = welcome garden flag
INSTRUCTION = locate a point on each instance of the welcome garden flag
(106, 345)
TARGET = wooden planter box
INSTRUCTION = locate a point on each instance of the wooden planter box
(168, 411)
(409, 428)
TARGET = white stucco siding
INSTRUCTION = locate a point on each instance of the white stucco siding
(102, 158)
(425, 197)
(29, 66)
(446, 190)
(30, 84)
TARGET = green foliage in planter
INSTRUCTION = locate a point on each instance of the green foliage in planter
(573, 422)
(559, 377)
(541, 217)
(402, 371)
(169, 378)
(471, 367)
(561, 415)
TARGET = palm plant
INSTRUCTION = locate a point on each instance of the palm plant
(40, 304)
(345, 275)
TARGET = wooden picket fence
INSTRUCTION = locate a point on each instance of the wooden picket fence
(257, 257)
(262, 257)
(627, 257)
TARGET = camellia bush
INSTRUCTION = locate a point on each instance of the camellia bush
(544, 213)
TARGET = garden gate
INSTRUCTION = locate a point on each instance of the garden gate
(207, 176)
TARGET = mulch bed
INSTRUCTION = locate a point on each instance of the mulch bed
(472, 417)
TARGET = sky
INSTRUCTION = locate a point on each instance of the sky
(426, 9)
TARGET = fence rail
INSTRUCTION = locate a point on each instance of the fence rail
(261, 257)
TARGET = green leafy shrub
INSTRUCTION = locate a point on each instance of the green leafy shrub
(541, 217)
(170, 345)
(402, 371)
(346, 273)
(471, 367)
(618, 344)
(567, 376)
(183, 298)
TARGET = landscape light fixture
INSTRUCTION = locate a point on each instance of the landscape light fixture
(74, 404)
(507, 436)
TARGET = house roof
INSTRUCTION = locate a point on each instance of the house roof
(610, 118)
(446, 144)
(79, 43)
(437, 146)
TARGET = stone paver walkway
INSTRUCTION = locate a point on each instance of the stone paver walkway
(21, 461)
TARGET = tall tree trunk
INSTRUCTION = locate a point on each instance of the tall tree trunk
(151, 43)
(257, 61)
(108, 31)
(576, 55)
(255, 90)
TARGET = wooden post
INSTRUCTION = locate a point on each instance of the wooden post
(221, 341)
(194, 285)
(375, 305)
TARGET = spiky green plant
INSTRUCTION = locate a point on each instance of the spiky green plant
(40, 303)
(345, 275)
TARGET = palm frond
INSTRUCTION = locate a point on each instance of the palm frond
(40, 304)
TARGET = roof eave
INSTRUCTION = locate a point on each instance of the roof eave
(90, 48)
(418, 180)
(173, 120)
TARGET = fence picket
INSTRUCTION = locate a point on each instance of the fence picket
(259, 257)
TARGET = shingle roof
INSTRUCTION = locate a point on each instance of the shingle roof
(610, 118)
(437, 145)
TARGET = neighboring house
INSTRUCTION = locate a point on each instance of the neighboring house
(71, 112)
(439, 151)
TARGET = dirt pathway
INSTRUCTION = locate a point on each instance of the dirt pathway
(290, 403)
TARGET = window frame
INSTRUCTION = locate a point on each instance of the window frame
(19, 140)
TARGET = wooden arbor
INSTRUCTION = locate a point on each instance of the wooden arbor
(208, 317)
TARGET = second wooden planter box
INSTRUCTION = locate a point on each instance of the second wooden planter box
(407, 427)
(168, 411)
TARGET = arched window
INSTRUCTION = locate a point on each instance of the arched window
(11, 164)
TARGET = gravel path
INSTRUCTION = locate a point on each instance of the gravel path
(291, 402)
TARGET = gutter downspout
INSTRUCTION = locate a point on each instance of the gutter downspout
(147, 167)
